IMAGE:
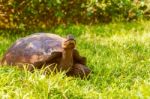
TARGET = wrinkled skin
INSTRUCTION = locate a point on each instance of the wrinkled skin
(43, 49)
(79, 70)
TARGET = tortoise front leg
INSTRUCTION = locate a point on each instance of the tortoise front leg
(79, 70)
(78, 58)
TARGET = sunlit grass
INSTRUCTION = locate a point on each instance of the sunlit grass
(117, 53)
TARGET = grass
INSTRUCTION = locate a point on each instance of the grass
(117, 53)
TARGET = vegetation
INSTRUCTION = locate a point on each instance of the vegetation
(117, 53)
(27, 14)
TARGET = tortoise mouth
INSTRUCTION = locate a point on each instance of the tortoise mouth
(69, 44)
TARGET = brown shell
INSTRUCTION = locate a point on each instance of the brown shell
(34, 48)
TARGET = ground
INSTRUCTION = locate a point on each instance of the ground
(117, 53)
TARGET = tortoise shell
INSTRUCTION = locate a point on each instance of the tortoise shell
(34, 48)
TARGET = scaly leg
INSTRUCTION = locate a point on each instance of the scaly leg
(78, 58)
(79, 70)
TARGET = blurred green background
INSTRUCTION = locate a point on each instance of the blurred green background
(29, 14)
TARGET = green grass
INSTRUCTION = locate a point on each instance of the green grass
(117, 53)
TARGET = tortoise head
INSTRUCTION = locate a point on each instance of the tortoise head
(69, 43)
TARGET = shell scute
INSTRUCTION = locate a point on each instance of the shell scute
(34, 48)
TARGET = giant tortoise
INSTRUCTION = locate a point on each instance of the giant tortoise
(49, 50)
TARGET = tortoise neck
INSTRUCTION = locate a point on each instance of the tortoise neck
(67, 59)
